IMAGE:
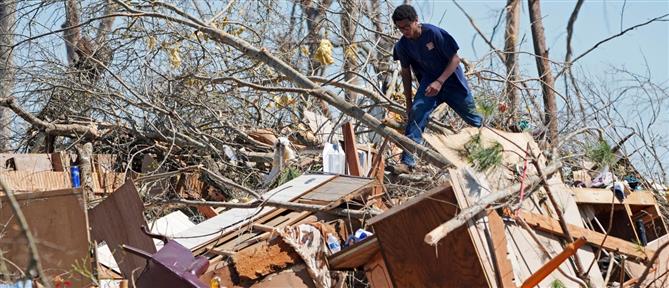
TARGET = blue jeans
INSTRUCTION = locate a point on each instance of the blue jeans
(460, 100)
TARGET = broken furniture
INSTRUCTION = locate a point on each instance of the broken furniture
(171, 266)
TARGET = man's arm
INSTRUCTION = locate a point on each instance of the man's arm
(406, 83)
(435, 86)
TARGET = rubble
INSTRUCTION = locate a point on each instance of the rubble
(549, 233)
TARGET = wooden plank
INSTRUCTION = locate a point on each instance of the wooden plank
(229, 220)
(412, 263)
(32, 162)
(58, 222)
(117, 221)
(550, 225)
(23, 181)
(354, 256)
(604, 196)
(553, 264)
(503, 265)
(351, 152)
(377, 272)
(337, 188)
(468, 191)
(207, 211)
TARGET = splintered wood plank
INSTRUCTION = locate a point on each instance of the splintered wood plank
(117, 221)
(550, 225)
(351, 152)
(411, 262)
(336, 189)
(58, 222)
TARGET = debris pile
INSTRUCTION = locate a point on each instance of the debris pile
(513, 222)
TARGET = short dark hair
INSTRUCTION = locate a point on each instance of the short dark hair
(403, 12)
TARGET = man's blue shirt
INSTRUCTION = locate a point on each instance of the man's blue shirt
(429, 55)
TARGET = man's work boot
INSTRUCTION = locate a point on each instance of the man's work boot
(402, 169)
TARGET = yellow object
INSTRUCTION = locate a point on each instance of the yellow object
(173, 56)
(324, 52)
(215, 282)
(283, 100)
(151, 43)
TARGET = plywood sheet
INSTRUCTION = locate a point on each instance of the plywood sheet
(337, 188)
(117, 221)
(230, 220)
(33, 162)
(411, 262)
(58, 222)
(605, 196)
(356, 255)
(21, 181)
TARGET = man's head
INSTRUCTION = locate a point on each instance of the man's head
(406, 20)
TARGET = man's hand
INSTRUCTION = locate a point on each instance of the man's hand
(433, 89)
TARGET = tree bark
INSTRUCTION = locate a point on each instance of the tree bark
(543, 67)
(7, 21)
(348, 33)
(511, 60)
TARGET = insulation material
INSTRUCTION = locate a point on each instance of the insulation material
(309, 243)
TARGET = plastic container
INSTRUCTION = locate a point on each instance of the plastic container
(333, 243)
(334, 159)
(75, 176)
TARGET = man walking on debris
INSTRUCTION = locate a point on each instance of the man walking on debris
(432, 55)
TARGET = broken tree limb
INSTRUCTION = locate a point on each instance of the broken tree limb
(563, 223)
(545, 270)
(301, 80)
(280, 204)
(442, 230)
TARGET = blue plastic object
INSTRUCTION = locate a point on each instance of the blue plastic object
(76, 178)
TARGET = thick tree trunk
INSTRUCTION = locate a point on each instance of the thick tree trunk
(7, 21)
(510, 49)
(543, 67)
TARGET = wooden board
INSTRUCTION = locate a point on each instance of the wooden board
(354, 256)
(503, 265)
(377, 272)
(117, 221)
(58, 222)
(352, 161)
(411, 262)
(550, 225)
(604, 196)
(336, 189)
(229, 220)
(32, 162)
(24, 181)
(468, 191)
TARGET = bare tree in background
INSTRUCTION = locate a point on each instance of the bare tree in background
(544, 69)
(7, 25)
(511, 48)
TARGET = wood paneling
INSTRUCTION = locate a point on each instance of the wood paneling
(58, 222)
(117, 221)
(411, 262)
